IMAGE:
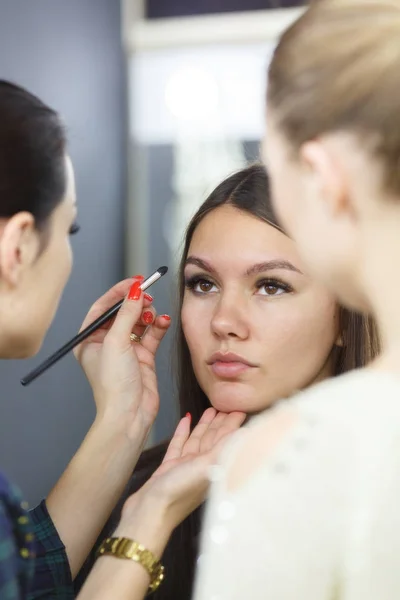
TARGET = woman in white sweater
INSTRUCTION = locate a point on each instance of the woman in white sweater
(305, 502)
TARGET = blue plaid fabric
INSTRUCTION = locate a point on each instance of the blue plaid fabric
(33, 561)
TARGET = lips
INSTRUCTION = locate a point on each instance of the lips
(229, 365)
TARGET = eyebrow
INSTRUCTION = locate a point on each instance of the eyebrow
(269, 265)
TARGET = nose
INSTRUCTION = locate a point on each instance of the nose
(230, 318)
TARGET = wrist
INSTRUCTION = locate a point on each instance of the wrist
(110, 447)
(120, 429)
(145, 520)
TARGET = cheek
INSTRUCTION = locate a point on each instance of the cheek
(64, 265)
(301, 340)
(195, 324)
(69, 259)
(61, 268)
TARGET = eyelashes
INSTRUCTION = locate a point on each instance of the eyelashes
(75, 227)
(274, 286)
(191, 283)
(200, 285)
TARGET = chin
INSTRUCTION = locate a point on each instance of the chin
(231, 396)
(26, 348)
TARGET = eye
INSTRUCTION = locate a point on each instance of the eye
(273, 287)
(200, 285)
(75, 227)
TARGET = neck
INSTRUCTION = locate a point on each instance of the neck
(381, 283)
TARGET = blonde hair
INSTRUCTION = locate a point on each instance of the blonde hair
(338, 68)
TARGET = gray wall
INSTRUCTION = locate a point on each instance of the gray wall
(69, 53)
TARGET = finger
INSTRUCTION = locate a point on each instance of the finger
(146, 350)
(209, 435)
(155, 334)
(179, 439)
(192, 446)
(232, 422)
(148, 316)
(114, 295)
(128, 315)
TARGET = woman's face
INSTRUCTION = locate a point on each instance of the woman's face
(29, 306)
(257, 327)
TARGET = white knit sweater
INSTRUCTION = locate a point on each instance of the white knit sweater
(320, 518)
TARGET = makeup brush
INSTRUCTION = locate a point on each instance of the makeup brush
(87, 331)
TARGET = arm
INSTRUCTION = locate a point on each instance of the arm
(124, 384)
(149, 461)
(150, 516)
(83, 498)
(125, 579)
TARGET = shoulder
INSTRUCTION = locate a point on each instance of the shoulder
(343, 419)
(353, 402)
(13, 510)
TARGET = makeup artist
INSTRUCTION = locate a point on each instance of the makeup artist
(37, 216)
(42, 550)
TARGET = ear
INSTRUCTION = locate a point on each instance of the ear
(19, 246)
(340, 340)
(328, 176)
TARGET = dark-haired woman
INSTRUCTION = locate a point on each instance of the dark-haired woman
(42, 550)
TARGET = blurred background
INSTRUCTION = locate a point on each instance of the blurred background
(162, 99)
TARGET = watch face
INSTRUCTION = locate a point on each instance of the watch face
(158, 9)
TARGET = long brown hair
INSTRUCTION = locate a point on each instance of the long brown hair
(247, 190)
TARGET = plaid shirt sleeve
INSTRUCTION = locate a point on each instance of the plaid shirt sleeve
(52, 575)
(16, 544)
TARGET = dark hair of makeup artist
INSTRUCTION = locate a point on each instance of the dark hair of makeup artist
(247, 190)
(32, 156)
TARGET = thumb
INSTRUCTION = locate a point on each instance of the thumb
(128, 314)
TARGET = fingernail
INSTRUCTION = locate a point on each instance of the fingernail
(149, 298)
(135, 291)
(166, 317)
(148, 317)
(189, 416)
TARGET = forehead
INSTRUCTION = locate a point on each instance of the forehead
(233, 237)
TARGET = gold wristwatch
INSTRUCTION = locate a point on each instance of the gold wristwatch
(121, 547)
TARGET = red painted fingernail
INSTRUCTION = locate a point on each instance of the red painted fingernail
(135, 291)
(149, 298)
(166, 317)
(189, 416)
(148, 317)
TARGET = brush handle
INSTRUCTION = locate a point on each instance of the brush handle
(78, 339)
